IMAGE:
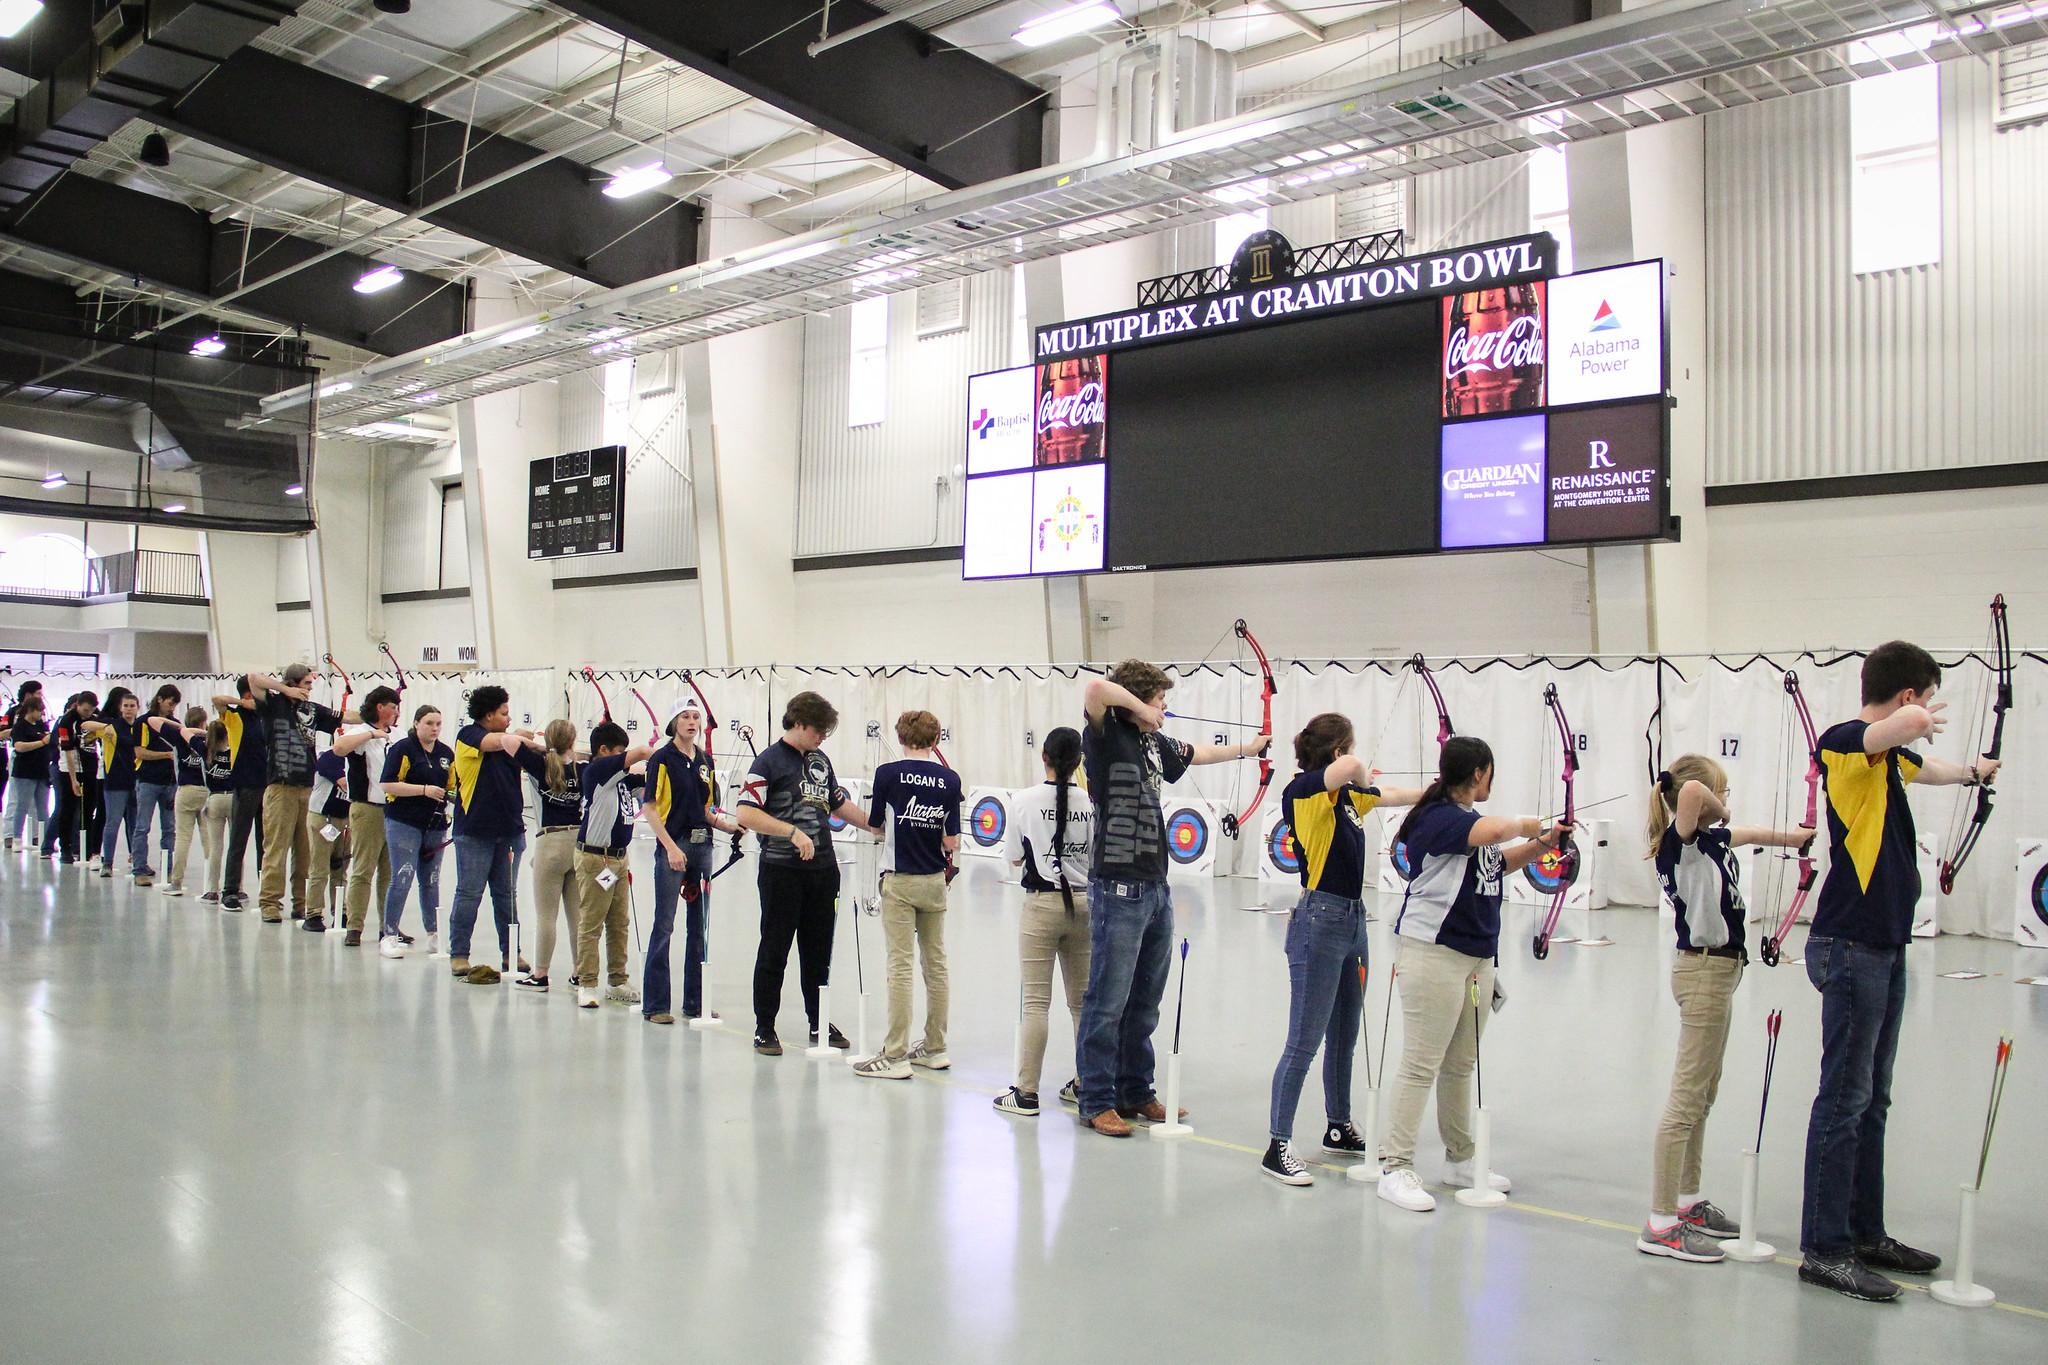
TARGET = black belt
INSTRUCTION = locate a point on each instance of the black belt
(600, 851)
(1725, 950)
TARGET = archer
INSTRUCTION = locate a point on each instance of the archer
(1130, 912)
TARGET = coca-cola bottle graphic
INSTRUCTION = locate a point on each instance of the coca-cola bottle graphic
(1071, 410)
(1493, 350)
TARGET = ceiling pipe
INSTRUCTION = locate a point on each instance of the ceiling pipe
(875, 25)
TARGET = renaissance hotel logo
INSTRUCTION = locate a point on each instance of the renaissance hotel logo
(1606, 335)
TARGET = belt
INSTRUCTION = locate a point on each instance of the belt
(600, 851)
(1725, 950)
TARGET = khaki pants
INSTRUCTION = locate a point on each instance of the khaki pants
(191, 804)
(285, 842)
(555, 891)
(1705, 990)
(371, 862)
(915, 907)
(600, 911)
(213, 835)
(321, 874)
(1046, 935)
(1440, 1046)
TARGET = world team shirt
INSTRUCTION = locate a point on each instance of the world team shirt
(1329, 832)
(1126, 769)
(917, 804)
(1873, 881)
(799, 789)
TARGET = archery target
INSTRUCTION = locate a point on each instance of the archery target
(856, 792)
(1279, 859)
(985, 822)
(1926, 924)
(1537, 884)
(2030, 924)
(1192, 833)
(1393, 865)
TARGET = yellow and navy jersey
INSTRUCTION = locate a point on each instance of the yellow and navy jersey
(681, 790)
(489, 801)
(408, 761)
(248, 758)
(1873, 881)
(1329, 832)
(117, 751)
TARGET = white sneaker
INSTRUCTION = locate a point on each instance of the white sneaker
(170, 890)
(434, 945)
(1458, 1175)
(930, 1061)
(390, 946)
(880, 1067)
(622, 995)
(1402, 1188)
(586, 997)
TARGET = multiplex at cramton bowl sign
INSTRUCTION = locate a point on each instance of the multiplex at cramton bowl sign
(1365, 286)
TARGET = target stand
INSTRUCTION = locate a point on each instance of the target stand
(2030, 915)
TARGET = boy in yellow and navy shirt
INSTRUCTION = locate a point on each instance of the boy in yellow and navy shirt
(1856, 958)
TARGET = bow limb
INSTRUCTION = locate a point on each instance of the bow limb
(385, 649)
(1772, 947)
(1567, 851)
(746, 734)
(653, 721)
(348, 686)
(590, 676)
(1444, 729)
(1234, 823)
(1963, 842)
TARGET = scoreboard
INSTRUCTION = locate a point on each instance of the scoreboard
(576, 504)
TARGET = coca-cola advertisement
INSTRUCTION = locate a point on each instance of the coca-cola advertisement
(1493, 350)
(1072, 411)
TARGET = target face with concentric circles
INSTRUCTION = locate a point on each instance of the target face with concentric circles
(1187, 835)
(988, 821)
(2039, 898)
(1398, 855)
(1550, 872)
(1281, 850)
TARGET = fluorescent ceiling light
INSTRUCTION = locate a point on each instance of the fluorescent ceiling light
(791, 255)
(379, 280)
(1050, 28)
(338, 386)
(531, 329)
(16, 14)
(174, 507)
(295, 490)
(212, 345)
(637, 180)
(433, 397)
(376, 80)
(54, 481)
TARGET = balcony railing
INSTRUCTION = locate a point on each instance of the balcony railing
(146, 573)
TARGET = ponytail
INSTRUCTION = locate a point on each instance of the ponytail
(1321, 740)
(1664, 793)
(1462, 758)
(1062, 754)
(560, 738)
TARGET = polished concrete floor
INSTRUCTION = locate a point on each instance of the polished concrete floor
(227, 1141)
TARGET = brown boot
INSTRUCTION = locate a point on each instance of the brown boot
(1155, 1112)
(1109, 1123)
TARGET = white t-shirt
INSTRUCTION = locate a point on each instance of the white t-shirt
(1029, 841)
(366, 766)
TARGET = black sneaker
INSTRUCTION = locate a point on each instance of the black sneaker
(406, 939)
(1283, 1165)
(210, 898)
(768, 1045)
(315, 924)
(533, 983)
(838, 1039)
(1070, 1094)
(1890, 1253)
(1020, 1102)
(1847, 1275)
(1343, 1139)
(232, 901)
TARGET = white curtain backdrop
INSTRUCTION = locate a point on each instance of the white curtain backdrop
(996, 718)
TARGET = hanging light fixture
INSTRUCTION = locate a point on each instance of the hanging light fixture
(155, 151)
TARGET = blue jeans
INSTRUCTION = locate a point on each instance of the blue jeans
(414, 854)
(24, 795)
(159, 801)
(1130, 937)
(668, 886)
(485, 860)
(119, 804)
(1862, 999)
(1326, 951)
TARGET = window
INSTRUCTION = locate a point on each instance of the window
(454, 565)
(1550, 202)
(34, 663)
(48, 563)
(867, 380)
(1232, 230)
(1895, 171)
(2023, 84)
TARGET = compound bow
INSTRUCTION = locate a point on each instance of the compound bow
(1398, 852)
(348, 686)
(1560, 864)
(1962, 839)
(711, 759)
(1772, 946)
(590, 676)
(385, 649)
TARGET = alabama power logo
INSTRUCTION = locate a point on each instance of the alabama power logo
(1603, 320)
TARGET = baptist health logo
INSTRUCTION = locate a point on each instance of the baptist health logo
(983, 424)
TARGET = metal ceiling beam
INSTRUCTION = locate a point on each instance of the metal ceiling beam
(178, 249)
(1513, 19)
(402, 156)
(902, 94)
